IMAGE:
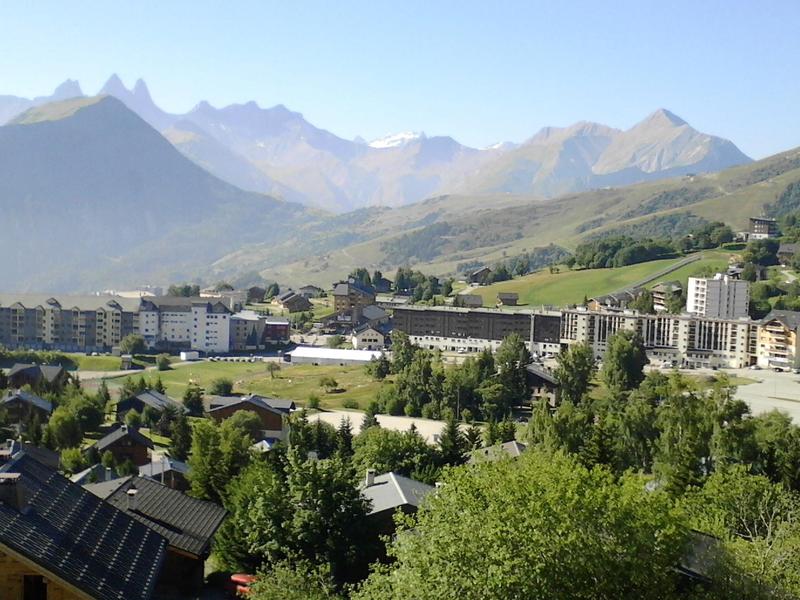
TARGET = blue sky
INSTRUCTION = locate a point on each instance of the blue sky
(480, 71)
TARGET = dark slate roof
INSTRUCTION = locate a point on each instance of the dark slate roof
(103, 489)
(280, 407)
(788, 248)
(78, 538)
(119, 433)
(542, 372)
(188, 524)
(156, 400)
(343, 288)
(374, 313)
(48, 372)
(668, 286)
(95, 473)
(155, 468)
(391, 491)
(511, 449)
(285, 296)
(27, 398)
(790, 318)
(12, 448)
(507, 295)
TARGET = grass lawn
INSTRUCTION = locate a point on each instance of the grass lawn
(570, 287)
(712, 262)
(295, 382)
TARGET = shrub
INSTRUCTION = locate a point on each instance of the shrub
(350, 403)
(313, 401)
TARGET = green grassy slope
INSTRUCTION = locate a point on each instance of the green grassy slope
(488, 228)
(570, 287)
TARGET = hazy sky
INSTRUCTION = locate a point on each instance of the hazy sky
(479, 71)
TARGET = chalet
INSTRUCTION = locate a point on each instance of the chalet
(468, 301)
(778, 340)
(786, 252)
(507, 299)
(168, 471)
(350, 295)
(294, 302)
(188, 524)
(664, 293)
(368, 337)
(21, 407)
(273, 419)
(543, 384)
(95, 473)
(382, 285)
(310, 291)
(389, 493)
(151, 399)
(616, 300)
(12, 448)
(59, 542)
(480, 276)
(49, 377)
(125, 443)
(512, 449)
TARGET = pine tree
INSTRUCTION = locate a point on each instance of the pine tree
(159, 386)
(344, 438)
(181, 437)
(103, 395)
(193, 399)
(452, 444)
(370, 420)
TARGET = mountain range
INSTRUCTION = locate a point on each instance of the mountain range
(276, 151)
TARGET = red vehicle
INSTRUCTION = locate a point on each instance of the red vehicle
(239, 584)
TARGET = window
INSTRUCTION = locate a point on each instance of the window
(34, 588)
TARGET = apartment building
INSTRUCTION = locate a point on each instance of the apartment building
(179, 323)
(778, 342)
(252, 331)
(98, 323)
(453, 329)
(720, 297)
(685, 340)
(68, 323)
(762, 228)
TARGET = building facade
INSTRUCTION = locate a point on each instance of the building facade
(454, 329)
(778, 340)
(720, 297)
(99, 323)
(681, 340)
(763, 228)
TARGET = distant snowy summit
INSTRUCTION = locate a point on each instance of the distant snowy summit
(396, 140)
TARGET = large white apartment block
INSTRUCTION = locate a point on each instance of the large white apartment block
(720, 297)
(193, 323)
(685, 340)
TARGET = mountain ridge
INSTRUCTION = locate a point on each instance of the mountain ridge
(302, 162)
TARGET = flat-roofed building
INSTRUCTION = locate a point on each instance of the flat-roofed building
(454, 329)
(721, 297)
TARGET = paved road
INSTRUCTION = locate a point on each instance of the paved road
(773, 390)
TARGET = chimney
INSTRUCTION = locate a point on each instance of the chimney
(163, 467)
(132, 491)
(370, 479)
(12, 492)
(108, 474)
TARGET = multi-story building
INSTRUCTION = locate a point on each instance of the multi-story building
(350, 296)
(684, 340)
(664, 293)
(252, 331)
(453, 329)
(69, 323)
(762, 228)
(179, 323)
(719, 297)
(98, 323)
(778, 340)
